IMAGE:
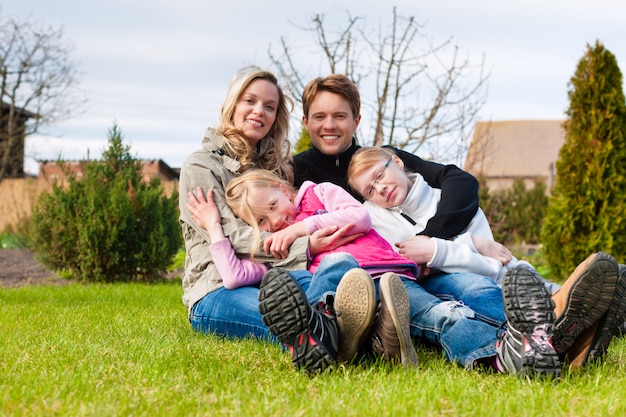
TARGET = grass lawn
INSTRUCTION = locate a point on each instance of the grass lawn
(128, 350)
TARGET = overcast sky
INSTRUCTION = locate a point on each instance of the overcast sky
(160, 68)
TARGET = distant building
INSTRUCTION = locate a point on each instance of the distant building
(504, 151)
(18, 196)
(150, 168)
(50, 171)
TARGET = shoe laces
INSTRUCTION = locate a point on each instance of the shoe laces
(324, 308)
(501, 330)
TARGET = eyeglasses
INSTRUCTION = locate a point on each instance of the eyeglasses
(379, 177)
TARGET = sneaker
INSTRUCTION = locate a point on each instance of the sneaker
(583, 299)
(525, 347)
(391, 337)
(355, 304)
(309, 331)
(593, 343)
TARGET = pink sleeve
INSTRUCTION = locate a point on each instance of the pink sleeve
(341, 209)
(235, 272)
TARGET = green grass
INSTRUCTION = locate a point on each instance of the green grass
(12, 241)
(128, 349)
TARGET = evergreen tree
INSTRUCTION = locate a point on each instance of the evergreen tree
(585, 213)
(304, 141)
(107, 225)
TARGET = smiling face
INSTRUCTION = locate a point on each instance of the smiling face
(255, 111)
(384, 185)
(272, 207)
(330, 123)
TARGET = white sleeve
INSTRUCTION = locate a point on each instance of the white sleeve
(455, 256)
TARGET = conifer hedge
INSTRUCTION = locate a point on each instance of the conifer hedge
(586, 211)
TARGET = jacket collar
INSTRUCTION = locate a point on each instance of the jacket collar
(334, 161)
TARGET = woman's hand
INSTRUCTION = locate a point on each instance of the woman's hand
(205, 213)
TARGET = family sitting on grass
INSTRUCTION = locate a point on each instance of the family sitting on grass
(368, 250)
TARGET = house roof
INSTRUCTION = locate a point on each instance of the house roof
(515, 148)
(22, 113)
(150, 168)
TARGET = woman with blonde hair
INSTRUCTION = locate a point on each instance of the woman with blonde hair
(252, 133)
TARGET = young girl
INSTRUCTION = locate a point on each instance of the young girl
(270, 204)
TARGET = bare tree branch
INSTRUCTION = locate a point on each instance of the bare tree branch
(39, 86)
(421, 96)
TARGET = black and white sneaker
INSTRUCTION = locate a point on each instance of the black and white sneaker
(525, 348)
(309, 331)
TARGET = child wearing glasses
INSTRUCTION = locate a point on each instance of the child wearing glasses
(401, 203)
(589, 306)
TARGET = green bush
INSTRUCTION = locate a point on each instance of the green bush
(515, 214)
(304, 141)
(107, 226)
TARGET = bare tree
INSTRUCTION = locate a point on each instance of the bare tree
(38, 86)
(421, 95)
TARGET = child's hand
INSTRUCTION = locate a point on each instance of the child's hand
(205, 213)
(330, 238)
(279, 242)
(492, 249)
(417, 248)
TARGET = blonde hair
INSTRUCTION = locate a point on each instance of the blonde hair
(238, 196)
(274, 150)
(365, 158)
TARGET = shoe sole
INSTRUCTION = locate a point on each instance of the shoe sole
(528, 306)
(393, 293)
(285, 310)
(610, 323)
(355, 304)
(588, 300)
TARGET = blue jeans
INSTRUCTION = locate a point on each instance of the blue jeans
(235, 313)
(458, 312)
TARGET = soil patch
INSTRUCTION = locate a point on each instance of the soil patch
(18, 267)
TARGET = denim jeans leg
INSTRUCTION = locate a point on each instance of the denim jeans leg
(449, 325)
(328, 274)
(479, 293)
(230, 313)
(235, 313)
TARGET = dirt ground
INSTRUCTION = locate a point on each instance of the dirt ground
(18, 267)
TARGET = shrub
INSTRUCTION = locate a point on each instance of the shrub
(515, 214)
(108, 225)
